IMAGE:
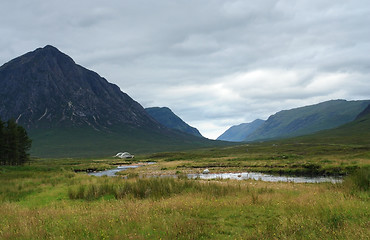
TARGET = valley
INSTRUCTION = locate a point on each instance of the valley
(185, 120)
(51, 198)
(78, 121)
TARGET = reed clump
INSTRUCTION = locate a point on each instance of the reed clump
(358, 180)
(153, 188)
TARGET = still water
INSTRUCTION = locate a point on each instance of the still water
(265, 177)
(235, 176)
(112, 172)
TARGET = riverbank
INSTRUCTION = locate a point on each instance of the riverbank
(67, 205)
(121, 171)
(57, 199)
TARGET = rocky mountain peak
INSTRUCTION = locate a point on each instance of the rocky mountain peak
(46, 88)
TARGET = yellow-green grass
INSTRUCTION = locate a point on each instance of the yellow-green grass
(275, 158)
(288, 159)
(55, 199)
(45, 208)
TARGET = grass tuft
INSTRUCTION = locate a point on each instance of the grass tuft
(358, 180)
(153, 188)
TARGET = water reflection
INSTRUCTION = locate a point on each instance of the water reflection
(265, 177)
(112, 172)
(235, 176)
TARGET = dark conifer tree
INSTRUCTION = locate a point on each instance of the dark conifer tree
(24, 145)
(14, 144)
(2, 143)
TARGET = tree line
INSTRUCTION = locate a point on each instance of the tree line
(14, 143)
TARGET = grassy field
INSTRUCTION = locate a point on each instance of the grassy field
(276, 158)
(56, 199)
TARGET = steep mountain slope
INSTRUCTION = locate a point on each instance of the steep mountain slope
(309, 119)
(240, 132)
(45, 88)
(355, 132)
(364, 113)
(71, 111)
(167, 118)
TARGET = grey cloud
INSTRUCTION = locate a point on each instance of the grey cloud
(188, 54)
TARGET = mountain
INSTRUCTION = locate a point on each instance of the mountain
(240, 132)
(309, 119)
(354, 132)
(167, 118)
(71, 111)
(46, 88)
(364, 114)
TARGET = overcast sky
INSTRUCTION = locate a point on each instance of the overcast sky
(215, 63)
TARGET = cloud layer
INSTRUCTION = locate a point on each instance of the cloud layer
(215, 63)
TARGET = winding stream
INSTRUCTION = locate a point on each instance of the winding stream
(112, 172)
(235, 176)
(265, 177)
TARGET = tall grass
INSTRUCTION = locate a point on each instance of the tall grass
(153, 188)
(17, 184)
(358, 180)
(43, 201)
(167, 208)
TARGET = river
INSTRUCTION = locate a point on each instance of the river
(235, 176)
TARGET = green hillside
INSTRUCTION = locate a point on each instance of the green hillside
(87, 142)
(309, 119)
(240, 132)
(355, 132)
(167, 118)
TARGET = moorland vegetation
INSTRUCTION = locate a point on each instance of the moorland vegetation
(56, 199)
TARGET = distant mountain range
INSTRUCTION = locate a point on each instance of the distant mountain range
(71, 111)
(354, 132)
(240, 132)
(364, 114)
(305, 120)
(166, 117)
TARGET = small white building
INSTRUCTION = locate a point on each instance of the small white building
(124, 155)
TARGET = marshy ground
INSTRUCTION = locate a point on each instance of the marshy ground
(56, 199)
